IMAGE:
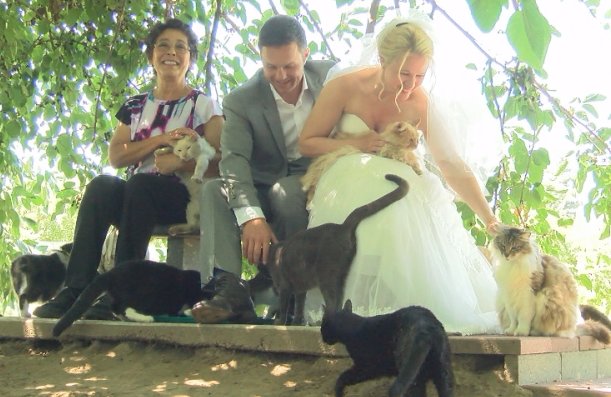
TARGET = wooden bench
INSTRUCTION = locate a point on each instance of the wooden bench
(182, 251)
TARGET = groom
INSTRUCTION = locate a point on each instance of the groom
(258, 200)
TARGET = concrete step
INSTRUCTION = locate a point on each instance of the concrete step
(586, 388)
(534, 361)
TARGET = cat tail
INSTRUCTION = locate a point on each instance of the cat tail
(591, 313)
(366, 210)
(83, 302)
(596, 330)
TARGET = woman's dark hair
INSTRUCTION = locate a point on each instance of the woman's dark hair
(176, 24)
(281, 30)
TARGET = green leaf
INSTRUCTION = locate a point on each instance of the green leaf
(518, 151)
(585, 281)
(591, 109)
(486, 13)
(291, 6)
(541, 157)
(529, 34)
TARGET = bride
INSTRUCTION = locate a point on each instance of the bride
(415, 252)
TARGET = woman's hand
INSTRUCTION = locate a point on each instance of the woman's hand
(180, 132)
(370, 142)
(493, 227)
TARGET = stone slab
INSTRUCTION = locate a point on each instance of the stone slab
(303, 340)
(586, 388)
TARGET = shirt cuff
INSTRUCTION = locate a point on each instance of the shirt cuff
(245, 214)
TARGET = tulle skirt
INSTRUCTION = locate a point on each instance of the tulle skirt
(414, 252)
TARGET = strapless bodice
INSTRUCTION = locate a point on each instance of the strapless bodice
(352, 124)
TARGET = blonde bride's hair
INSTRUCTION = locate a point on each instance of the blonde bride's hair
(399, 39)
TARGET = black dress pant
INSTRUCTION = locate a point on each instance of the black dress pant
(134, 206)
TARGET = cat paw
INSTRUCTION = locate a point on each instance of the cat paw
(521, 331)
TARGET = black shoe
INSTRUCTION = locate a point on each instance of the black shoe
(56, 307)
(231, 303)
(209, 289)
(100, 310)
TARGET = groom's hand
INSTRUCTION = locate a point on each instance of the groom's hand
(257, 236)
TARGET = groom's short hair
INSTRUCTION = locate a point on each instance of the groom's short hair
(281, 30)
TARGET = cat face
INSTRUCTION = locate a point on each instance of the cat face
(402, 134)
(332, 321)
(185, 148)
(512, 242)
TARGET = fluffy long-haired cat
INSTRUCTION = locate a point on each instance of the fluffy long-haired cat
(409, 343)
(191, 148)
(148, 287)
(537, 294)
(401, 141)
(38, 278)
(321, 257)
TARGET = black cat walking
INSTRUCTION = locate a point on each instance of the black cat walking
(409, 343)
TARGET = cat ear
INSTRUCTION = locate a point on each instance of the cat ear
(348, 306)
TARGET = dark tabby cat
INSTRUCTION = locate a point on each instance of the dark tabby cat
(150, 288)
(321, 257)
(410, 344)
(39, 277)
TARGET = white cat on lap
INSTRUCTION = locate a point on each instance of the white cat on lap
(191, 148)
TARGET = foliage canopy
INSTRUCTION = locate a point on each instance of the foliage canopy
(67, 66)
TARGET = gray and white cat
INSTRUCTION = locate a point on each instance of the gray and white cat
(191, 148)
(38, 278)
(537, 294)
(321, 257)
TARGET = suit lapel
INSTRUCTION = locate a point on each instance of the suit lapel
(314, 83)
(270, 113)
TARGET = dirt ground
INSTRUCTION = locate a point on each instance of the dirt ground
(79, 368)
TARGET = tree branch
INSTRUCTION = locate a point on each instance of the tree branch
(273, 7)
(569, 114)
(319, 30)
(539, 87)
(373, 16)
(169, 9)
(211, 44)
(235, 27)
(105, 73)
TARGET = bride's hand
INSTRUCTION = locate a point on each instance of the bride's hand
(370, 142)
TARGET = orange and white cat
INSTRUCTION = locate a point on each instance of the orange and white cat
(537, 294)
(401, 141)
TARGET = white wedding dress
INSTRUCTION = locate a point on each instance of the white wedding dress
(414, 252)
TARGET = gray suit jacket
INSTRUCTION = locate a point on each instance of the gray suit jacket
(252, 142)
